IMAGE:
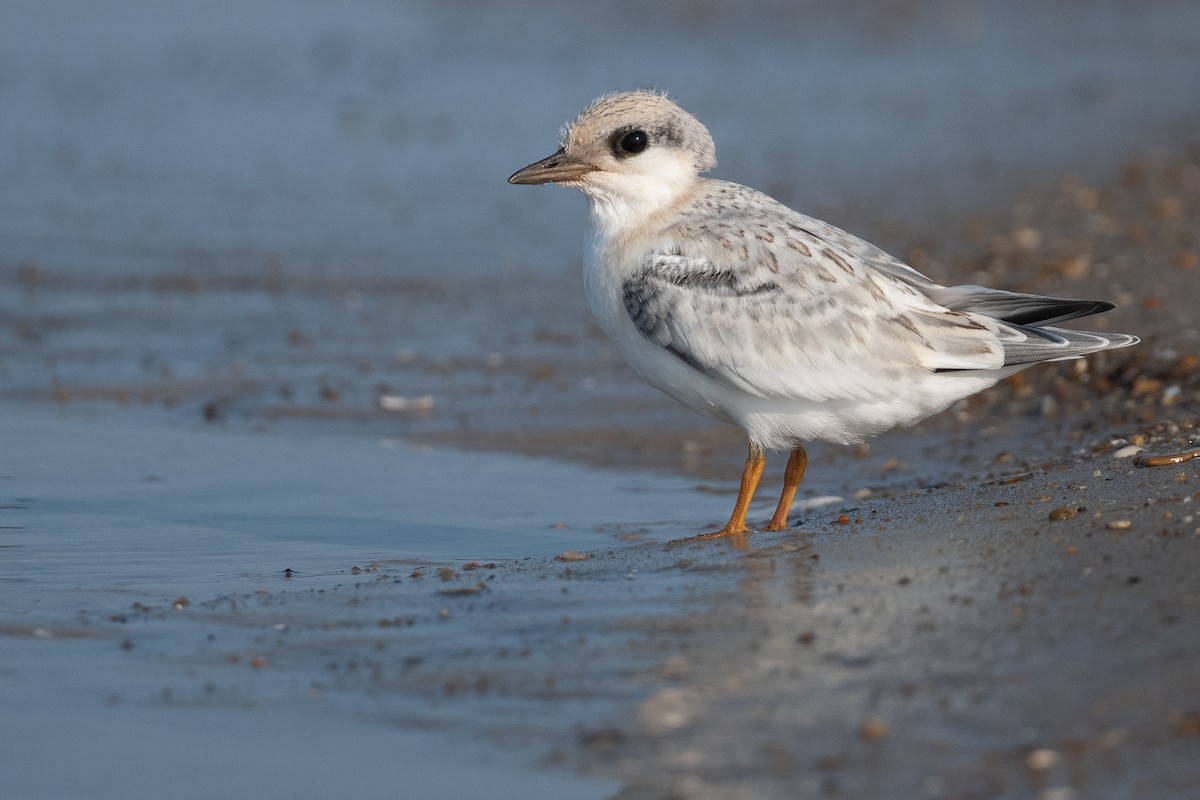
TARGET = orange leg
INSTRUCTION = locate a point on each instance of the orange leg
(736, 527)
(792, 475)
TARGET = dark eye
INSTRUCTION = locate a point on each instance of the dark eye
(633, 142)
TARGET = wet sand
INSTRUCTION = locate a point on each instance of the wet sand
(300, 494)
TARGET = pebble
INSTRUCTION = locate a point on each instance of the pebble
(1058, 793)
(412, 405)
(665, 711)
(873, 730)
(1063, 512)
(1119, 525)
(1128, 451)
(676, 667)
(1042, 759)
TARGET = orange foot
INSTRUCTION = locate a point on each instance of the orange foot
(738, 538)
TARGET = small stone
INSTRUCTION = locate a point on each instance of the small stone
(1042, 759)
(1185, 723)
(1143, 386)
(1026, 238)
(571, 555)
(1063, 512)
(873, 730)
(411, 405)
(1119, 525)
(1112, 739)
(665, 711)
(676, 667)
(1076, 268)
(1169, 207)
(1058, 793)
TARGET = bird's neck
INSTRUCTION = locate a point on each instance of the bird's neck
(618, 210)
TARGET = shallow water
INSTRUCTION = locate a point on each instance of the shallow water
(113, 501)
(376, 138)
(128, 548)
(230, 234)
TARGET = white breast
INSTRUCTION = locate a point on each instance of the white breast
(604, 274)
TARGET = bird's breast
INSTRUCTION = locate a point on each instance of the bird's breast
(605, 271)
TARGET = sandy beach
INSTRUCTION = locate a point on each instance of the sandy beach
(316, 476)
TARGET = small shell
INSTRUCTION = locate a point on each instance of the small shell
(1166, 460)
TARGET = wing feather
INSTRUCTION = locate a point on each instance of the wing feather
(778, 304)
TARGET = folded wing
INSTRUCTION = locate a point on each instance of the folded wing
(826, 318)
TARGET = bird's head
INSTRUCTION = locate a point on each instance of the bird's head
(630, 153)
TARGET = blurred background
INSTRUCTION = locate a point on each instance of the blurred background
(287, 209)
(158, 135)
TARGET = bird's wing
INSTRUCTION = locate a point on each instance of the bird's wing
(1022, 319)
(861, 250)
(782, 305)
(811, 321)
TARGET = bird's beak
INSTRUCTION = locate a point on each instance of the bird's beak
(559, 168)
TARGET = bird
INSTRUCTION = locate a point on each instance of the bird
(755, 314)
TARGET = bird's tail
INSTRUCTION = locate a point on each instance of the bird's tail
(1025, 334)
(1028, 344)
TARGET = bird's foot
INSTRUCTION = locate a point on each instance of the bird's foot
(737, 538)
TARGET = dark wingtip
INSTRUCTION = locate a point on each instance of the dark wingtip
(1059, 312)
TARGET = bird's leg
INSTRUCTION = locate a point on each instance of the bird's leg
(755, 460)
(735, 531)
(792, 475)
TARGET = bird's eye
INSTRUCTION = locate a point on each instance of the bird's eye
(633, 142)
